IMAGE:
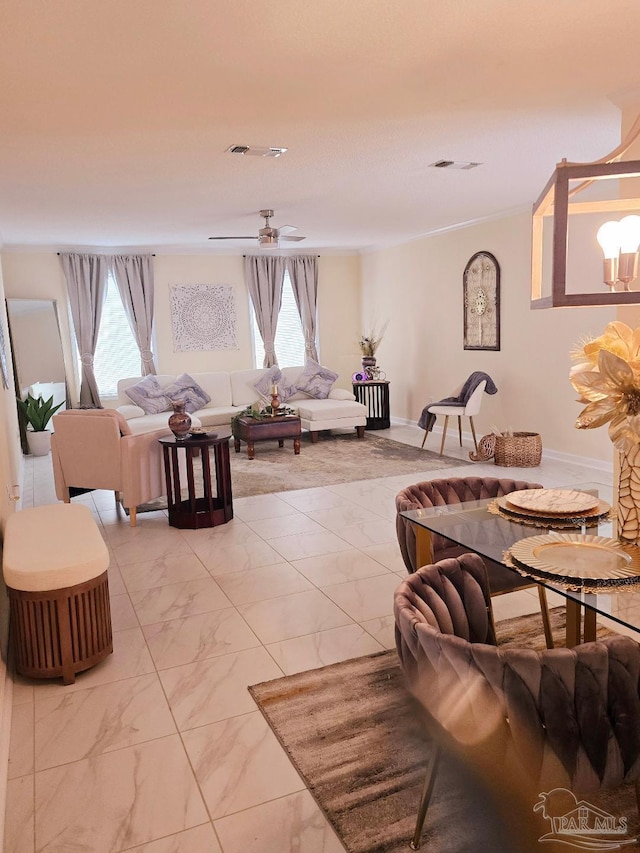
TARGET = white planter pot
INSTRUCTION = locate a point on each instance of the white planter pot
(39, 442)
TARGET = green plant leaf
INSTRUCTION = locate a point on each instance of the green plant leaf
(37, 411)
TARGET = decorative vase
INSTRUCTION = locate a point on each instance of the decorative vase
(180, 420)
(368, 364)
(629, 495)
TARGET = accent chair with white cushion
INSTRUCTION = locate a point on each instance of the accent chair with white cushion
(95, 449)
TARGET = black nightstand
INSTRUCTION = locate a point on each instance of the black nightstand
(375, 396)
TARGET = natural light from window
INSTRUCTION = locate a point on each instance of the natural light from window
(117, 354)
(289, 335)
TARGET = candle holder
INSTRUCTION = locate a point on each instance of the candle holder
(275, 404)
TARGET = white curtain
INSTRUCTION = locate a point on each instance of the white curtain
(86, 277)
(264, 277)
(303, 272)
(134, 277)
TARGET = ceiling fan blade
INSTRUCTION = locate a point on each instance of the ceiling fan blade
(233, 238)
(292, 239)
(287, 229)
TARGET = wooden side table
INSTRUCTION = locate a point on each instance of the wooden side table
(206, 510)
(375, 395)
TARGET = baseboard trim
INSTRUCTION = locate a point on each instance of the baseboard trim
(547, 453)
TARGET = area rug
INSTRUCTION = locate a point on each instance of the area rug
(332, 459)
(354, 734)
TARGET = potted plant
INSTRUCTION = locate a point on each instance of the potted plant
(37, 412)
(368, 347)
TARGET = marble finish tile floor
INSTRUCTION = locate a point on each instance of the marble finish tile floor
(160, 748)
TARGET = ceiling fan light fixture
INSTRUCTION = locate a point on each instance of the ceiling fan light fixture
(268, 241)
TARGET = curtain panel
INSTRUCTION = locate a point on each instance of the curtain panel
(264, 277)
(86, 277)
(134, 277)
(303, 272)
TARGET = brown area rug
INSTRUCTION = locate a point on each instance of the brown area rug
(354, 734)
(333, 459)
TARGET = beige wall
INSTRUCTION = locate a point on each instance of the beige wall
(418, 286)
(39, 276)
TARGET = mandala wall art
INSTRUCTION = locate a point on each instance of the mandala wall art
(203, 317)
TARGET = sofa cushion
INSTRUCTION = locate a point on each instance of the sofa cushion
(219, 416)
(328, 410)
(217, 385)
(316, 380)
(186, 389)
(243, 391)
(150, 423)
(130, 411)
(271, 376)
(149, 396)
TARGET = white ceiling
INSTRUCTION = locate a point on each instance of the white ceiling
(115, 114)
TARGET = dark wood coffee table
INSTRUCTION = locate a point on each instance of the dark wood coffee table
(251, 430)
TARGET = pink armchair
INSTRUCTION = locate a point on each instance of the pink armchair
(94, 449)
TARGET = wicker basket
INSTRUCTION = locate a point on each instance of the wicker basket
(521, 450)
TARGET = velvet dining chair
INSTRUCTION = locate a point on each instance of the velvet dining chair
(455, 490)
(541, 720)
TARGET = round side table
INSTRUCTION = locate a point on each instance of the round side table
(207, 509)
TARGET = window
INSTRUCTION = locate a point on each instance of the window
(289, 334)
(117, 354)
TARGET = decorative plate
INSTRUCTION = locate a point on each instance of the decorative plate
(578, 557)
(601, 511)
(553, 501)
(202, 434)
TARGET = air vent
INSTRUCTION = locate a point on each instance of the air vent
(453, 164)
(255, 151)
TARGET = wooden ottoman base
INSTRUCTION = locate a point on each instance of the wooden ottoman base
(60, 632)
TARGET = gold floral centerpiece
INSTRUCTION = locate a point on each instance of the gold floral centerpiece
(607, 378)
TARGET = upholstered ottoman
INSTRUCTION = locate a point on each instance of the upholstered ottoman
(55, 568)
(318, 415)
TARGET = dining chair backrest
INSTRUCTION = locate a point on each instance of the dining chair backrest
(475, 400)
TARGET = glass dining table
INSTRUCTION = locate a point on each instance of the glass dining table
(490, 535)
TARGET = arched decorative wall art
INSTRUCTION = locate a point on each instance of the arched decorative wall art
(481, 300)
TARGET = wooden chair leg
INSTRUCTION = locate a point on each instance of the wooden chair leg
(473, 433)
(426, 433)
(132, 516)
(117, 496)
(546, 620)
(444, 433)
(427, 791)
(460, 429)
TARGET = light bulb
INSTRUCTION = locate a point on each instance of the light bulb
(629, 233)
(609, 238)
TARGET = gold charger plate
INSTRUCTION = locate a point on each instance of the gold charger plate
(552, 501)
(602, 510)
(578, 557)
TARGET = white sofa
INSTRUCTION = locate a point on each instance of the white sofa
(232, 392)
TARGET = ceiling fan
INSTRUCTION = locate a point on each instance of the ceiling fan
(268, 237)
